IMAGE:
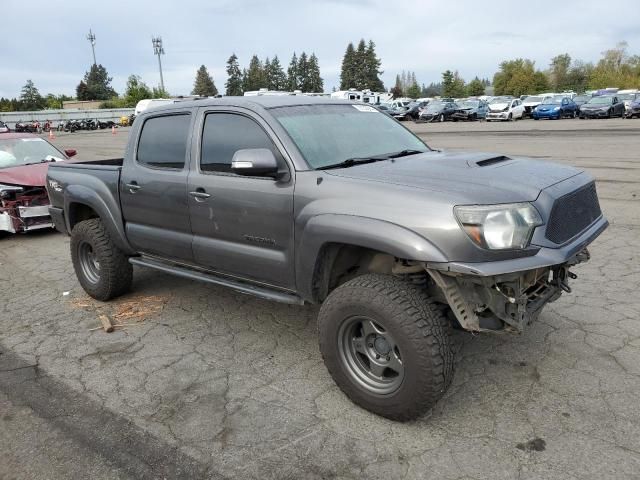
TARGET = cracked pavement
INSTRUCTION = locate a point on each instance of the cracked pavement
(204, 382)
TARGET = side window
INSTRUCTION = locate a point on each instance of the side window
(226, 133)
(163, 141)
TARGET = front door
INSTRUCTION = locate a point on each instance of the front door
(242, 226)
(153, 188)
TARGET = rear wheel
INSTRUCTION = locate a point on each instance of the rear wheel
(102, 268)
(386, 346)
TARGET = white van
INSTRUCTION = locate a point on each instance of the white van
(148, 103)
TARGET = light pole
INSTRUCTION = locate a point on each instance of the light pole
(92, 40)
(158, 50)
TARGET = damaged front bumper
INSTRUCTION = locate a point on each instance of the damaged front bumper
(509, 295)
(22, 211)
(507, 302)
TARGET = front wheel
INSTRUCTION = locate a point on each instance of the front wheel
(102, 268)
(386, 345)
(441, 117)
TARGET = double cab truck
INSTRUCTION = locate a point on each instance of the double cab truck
(323, 201)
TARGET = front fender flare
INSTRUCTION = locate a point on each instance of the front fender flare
(364, 232)
(104, 204)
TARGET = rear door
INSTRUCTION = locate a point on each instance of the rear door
(242, 226)
(153, 187)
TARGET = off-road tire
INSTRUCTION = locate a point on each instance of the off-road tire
(115, 271)
(419, 328)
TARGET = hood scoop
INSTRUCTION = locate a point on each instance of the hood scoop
(492, 161)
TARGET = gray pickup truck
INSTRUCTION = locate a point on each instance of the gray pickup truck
(308, 200)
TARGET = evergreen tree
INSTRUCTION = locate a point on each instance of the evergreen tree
(360, 74)
(475, 87)
(347, 73)
(98, 84)
(234, 77)
(397, 91)
(316, 84)
(452, 85)
(303, 72)
(372, 67)
(433, 90)
(81, 91)
(203, 84)
(292, 73)
(414, 89)
(255, 75)
(361, 68)
(30, 97)
(266, 73)
(277, 76)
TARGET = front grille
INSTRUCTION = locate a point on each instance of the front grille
(572, 213)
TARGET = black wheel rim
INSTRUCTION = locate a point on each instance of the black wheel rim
(89, 262)
(370, 355)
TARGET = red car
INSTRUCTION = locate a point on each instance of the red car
(24, 159)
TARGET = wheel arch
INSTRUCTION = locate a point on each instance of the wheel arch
(82, 203)
(334, 247)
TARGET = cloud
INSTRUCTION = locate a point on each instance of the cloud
(49, 46)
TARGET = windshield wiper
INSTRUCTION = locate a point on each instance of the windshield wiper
(404, 153)
(350, 162)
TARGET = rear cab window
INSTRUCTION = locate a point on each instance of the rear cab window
(163, 141)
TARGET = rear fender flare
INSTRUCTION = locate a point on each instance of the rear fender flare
(364, 232)
(95, 199)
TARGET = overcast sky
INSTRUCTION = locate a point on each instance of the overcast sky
(46, 40)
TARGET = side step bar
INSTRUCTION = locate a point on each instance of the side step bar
(256, 291)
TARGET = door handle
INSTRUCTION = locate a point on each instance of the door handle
(133, 187)
(199, 195)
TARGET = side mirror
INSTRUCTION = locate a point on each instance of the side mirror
(254, 162)
(70, 152)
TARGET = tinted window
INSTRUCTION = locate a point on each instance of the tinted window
(163, 141)
(226, 133)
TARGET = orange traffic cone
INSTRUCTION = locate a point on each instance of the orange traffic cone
(113, 130)
(51, 135)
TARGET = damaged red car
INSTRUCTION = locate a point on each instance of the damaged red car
(24, 160)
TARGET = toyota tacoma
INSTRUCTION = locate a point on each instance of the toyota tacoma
(309, 200)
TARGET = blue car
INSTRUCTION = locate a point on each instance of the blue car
(556, 108)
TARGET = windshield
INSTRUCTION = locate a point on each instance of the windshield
(600, 100)
(532, 99)
(23, 151)
(499, 100)
(329, 134)
(626, 96)
(581, 98)
(434, 107)
(469, 104)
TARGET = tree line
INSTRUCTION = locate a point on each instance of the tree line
(360, 70)
(615, 68)
(303, 73)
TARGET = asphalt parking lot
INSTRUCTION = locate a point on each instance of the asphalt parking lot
(207, 383)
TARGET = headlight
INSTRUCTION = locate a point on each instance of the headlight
(556, 109)
(505, 109)
(499, 227)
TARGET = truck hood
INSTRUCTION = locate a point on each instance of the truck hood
(473, 177)
(26, 175)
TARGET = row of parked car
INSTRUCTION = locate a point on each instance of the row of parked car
(505, 108)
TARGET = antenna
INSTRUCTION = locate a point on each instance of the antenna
(92, 40)
(158, 50)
